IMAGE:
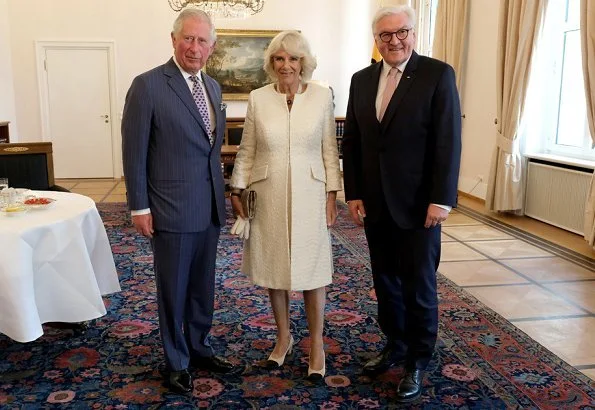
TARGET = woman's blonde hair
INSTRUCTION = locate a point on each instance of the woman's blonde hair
(295, 44)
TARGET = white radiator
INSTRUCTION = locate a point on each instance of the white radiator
(556, 194)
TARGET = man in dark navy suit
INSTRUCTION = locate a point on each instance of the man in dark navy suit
(401, 156)
(172, 131)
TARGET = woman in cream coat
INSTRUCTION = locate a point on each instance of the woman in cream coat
(289, 156)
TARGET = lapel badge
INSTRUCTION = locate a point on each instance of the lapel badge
(223, 106)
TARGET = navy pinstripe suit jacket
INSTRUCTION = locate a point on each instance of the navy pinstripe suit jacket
(169, 164)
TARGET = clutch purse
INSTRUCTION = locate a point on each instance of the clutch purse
(248, 199)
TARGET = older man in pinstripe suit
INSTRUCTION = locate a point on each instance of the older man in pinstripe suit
(172, 131)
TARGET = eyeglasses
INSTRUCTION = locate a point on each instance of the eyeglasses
(401, 34)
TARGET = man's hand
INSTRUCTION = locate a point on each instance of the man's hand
(357, 211)
(435, 216)
(143, 224)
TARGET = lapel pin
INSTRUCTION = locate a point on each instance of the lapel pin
(223, 106)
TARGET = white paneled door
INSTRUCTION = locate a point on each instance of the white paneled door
(79, 115)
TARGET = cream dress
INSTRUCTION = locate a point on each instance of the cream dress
(290, 159)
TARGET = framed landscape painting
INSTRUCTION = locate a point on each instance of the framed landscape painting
(236, 62)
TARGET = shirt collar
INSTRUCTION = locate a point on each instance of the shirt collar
(185, 74)
(386, 67)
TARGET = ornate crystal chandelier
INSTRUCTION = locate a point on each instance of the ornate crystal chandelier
(222, 8)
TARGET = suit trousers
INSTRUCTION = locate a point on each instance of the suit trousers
(185, 277)
(404, 265)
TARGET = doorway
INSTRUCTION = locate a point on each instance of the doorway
(77, 92)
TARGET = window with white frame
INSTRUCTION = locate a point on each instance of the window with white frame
(426, 21)
(556, 120)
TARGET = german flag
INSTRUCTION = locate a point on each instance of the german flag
(376, 57)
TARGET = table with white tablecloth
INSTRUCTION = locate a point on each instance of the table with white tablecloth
(55, 265)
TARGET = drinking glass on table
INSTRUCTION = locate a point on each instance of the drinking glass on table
(21, 194)
(6, 197)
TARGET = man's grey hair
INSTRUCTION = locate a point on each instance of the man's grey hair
(389, 11)
(194, 13)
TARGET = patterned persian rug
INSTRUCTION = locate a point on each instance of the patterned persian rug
(481, 361)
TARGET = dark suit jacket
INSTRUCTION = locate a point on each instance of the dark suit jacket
(169, 165)
(412, 158)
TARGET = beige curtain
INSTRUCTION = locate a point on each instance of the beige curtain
(450, 34)
(519, 25)
(588, 52)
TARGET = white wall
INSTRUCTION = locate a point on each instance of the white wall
(338, 30)
(479, 97)
(7, 103)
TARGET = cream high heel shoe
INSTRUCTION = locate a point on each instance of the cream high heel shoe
(316, 375)
(273, 362)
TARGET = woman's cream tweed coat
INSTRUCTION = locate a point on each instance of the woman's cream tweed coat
(291, 160)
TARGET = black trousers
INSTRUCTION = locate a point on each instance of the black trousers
(404, 265)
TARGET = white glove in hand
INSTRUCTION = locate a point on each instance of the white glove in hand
(238, 226)
(246, 230)
(241, 227)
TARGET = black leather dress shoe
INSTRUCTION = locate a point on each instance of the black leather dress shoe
(384, 361)
(180, 381)
(78, 328)
(410, 386)
(213, 364)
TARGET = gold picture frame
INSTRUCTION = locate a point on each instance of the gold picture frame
(236, 62)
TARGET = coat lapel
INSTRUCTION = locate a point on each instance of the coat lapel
(180, 87)
(371, 91)
(215, 103)
(405, 82)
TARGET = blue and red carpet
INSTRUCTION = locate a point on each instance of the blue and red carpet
(481, 361)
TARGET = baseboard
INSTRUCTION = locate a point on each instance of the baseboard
(473, 197)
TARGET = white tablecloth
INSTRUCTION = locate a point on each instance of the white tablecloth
(54, 266)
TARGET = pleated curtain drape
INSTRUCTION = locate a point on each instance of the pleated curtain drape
(587, 18)
(519, 24)
(450, 34)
